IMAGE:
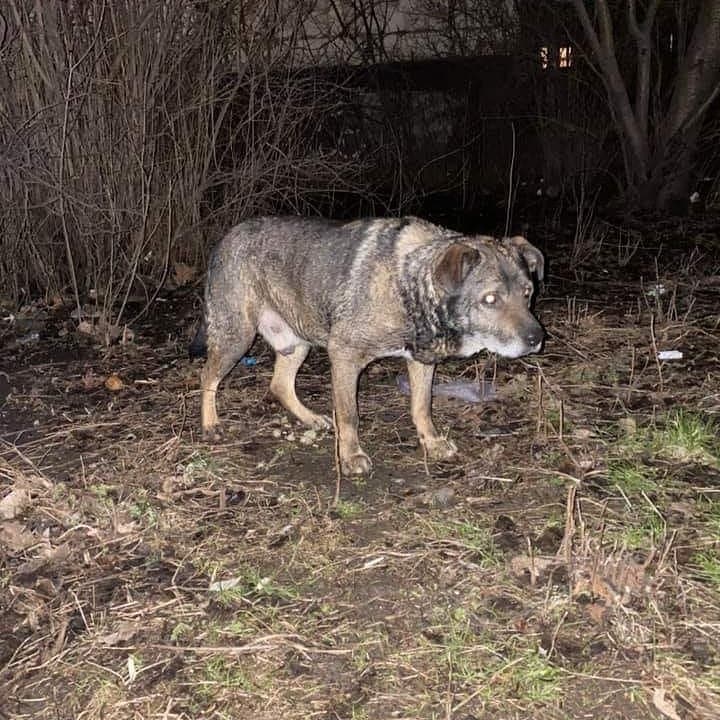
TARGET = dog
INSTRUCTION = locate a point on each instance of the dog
(364, 290)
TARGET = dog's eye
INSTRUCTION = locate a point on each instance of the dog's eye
(489, 299)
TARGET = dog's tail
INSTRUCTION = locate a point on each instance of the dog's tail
(198, 346)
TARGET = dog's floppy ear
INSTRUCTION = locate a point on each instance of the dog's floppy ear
(530, 254)
(454, 265)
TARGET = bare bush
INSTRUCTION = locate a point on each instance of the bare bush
(130, 130)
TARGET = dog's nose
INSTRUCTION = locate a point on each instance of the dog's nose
(535, 337)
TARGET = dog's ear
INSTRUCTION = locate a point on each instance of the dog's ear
(454, 265)
(530, 254)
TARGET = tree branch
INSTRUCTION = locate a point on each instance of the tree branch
(588, 27)
(603, 46)
(699, 71)
(641, 33)
(606, 27)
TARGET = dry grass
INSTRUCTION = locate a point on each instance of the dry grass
(566, 566)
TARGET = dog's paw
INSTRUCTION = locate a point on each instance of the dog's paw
(357, 464)
(439, 448)
(213, 433)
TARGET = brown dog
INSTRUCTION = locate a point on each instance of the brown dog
(364, 290)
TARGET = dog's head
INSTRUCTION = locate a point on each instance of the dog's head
(487, 286)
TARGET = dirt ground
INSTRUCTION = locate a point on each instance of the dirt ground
(567, 565)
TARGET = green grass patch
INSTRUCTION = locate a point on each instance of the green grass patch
(689, 436)
(707, 567)
(143, 512)
(220, 672)
(347, 510)
(712, 518)
(632, 477)
(682, 436)
(247, 623)
(475, 537)
(199, 465)
(249, 586)
(494, 670)
(642, 533)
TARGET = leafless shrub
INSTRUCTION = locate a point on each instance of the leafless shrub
(627, 243)
(130, 130)
(589, 235)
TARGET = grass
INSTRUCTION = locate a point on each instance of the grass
(471, 536)
(643, 533)
(459, 647)
(681, 436)
(642, 467)
(198, 466)
(688, 436)
(632, 477)
(479, 663)
(221, 673)
(347, 510)
(707, 564)
(711, 514)
(142, 511)
(532, 678)
(250, 585)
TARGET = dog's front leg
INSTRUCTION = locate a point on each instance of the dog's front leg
(345, 372)
(421, 378)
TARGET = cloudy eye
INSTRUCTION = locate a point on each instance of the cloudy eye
(489, 299)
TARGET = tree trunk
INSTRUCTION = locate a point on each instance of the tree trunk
(696, 85)
(660, 151)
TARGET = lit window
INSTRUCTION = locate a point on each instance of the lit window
(565, 57)
(544, 58)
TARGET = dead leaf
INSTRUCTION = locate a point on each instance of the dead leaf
(125, 528)
(56, 301)
(596, 612)
(48, 557)
(14, 536)
(126, 630)
(183, 274)
(664, 704)
(14, 503)
(86, 328)
(167, 488)
(113, 383)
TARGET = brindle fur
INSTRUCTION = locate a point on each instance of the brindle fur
(363, 290)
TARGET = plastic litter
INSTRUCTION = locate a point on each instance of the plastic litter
(656, 290)
(473, 392)
(31, 337)
(670, 355)
(248, 360)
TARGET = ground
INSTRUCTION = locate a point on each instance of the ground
(567, 565)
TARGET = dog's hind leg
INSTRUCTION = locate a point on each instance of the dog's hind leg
(421, 378)
(282, 387)
(221, 358)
